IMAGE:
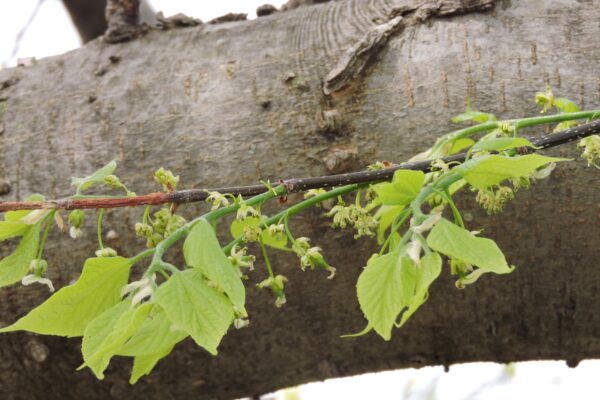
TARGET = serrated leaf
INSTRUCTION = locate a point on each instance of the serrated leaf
(10, 229)
(15, 266)
(203, 252)
(383, 288)
(456, 242)
(155, 334)
(97, 177)
(426, 274)
(485, 171)
(106, 333)
(237, 230)
(154, 340)
(197, 309)
(459, 145)
(472, 115)
(386, 215)
(566, 105)
(402, 190)
(68, 311)
(501, 143)
(143, 365)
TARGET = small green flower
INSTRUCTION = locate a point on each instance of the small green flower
(217, 199)
(166, 178)
(591, 150)
(106, 252)
(245, 210)
(546, 100)
(341, 216)
(239, 259)
(143, 230)
(251, 234)
(76, 218)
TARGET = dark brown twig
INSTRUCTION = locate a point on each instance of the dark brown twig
(291, 185)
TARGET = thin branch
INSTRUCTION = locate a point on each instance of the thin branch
(291, 185)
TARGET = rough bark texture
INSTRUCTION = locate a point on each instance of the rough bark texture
(231, 103)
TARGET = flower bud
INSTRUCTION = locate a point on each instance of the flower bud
(106, 252)
(166, 179)
(76, 218)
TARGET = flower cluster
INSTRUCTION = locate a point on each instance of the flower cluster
(166, 179)
(591, 150)
(141, 290)
(217, 200)
(277, 285)
(239, 259)
(494, 199)
(356, 216)
(310, 256)
(165, 222)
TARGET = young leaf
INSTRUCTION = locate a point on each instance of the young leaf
(485, 171)
(472, 115)
(383, 288)
(155, 339)
(566, 105)
(15, 266)
(105, 335)
(237, 230)
(97, 177)
(202, 251)
(10, 229)
(460, 144)
(427, 272)
(143, 365)
(402, 190)
(386, 215)
(501, 143)
(199, 310)
(156, 334)
(68, 311)
(456, 242)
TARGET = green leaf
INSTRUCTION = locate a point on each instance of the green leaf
(456, 242)
(106, 333)
(155, 334)
(9, 229)
(15, 266)
(154, 340)
(426, 274)
(68, 311)
(383, 288)
(143, 365)
(402, 190)
(386, 215)
(566, 105)
(459, 145)
(485, 171)
(199, 310)
(501, 143)
(237, 230)
(203, 252)
(472, 115)
(97, 177)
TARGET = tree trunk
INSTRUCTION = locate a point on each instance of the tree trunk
(232, 103)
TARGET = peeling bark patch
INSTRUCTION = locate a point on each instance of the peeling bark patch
(598, 88)
(231, 17)
(176, 21)
(491, 74)
(357, 58)
(122, 17)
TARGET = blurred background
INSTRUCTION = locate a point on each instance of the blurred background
(42, 28)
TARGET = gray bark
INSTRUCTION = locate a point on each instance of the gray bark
(232, 103)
